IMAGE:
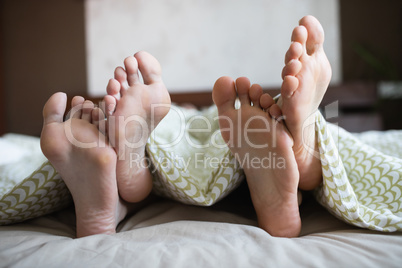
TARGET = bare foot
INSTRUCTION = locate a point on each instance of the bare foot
(133, 110)
(87, 164)
(264, 150)
(306, 77)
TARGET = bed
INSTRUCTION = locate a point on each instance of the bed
(166, 233)
(169, 234)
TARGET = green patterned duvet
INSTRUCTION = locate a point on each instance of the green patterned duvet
(362, 181)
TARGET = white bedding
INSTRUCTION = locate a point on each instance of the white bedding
(169, 234)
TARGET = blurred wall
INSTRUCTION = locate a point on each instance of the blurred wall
(2, 91)
(43, 51)
(197, 41)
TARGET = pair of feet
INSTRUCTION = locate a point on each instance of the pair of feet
(103, 165)
(103, 162)
(257, 130)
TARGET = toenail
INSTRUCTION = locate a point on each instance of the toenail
(111, 108)
(289, 95)
(125, 85)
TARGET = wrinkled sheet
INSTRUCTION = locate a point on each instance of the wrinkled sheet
(169, 234)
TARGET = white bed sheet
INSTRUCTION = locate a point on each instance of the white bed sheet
(170, 234)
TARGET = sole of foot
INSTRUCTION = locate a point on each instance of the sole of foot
(306, 77)
(85, 161)
(263, 148)
(133, 109)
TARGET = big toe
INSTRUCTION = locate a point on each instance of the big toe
(224, 94)
(53, 112)
(54, 109)
(315, 36)
(149, 67)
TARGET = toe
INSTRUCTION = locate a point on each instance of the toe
(243, 88)
(98, 119)
(255, 94)
(289, 86)
(77, 100)
(149, 67)
(293, 67)
(224, 94)
(299, 35)
(315, 36)
(109, 105)
(266, 101)
(113, 88)
(131, 65)
(275, 111)
(294, 52)
(87, 108)
(121, 76)
(54, 109)
(76, 107)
